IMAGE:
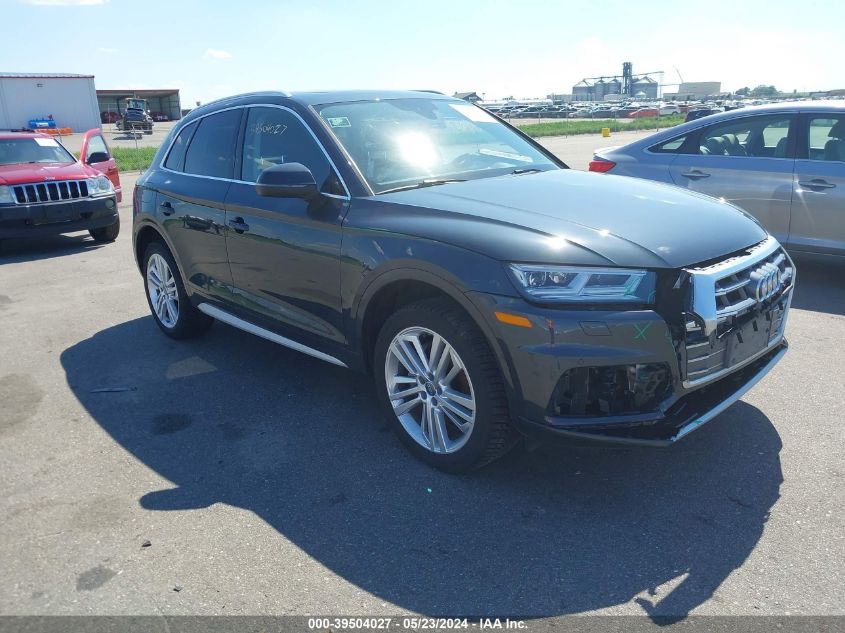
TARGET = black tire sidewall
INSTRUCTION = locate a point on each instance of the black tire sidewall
(106, 233)
(472, 453)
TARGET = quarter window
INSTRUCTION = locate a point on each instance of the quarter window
(757, 136)
(212, 149)
(672, 146)
(274, 136)
(826, 138)
(176, 157)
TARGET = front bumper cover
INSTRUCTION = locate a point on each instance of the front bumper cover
(535, 358)
(687, 414)
(51, 218)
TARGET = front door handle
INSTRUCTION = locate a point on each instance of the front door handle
(239, 225)
(695, 174)
(817, 183)
(166, 208)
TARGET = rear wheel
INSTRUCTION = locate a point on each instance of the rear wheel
(166, 296)
(106, 233)
(440, 386)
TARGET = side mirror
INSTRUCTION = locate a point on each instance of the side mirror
(96, 157)
(288, 180)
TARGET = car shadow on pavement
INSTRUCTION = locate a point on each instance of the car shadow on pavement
(820, 284)
(32, 249)
(229, 418)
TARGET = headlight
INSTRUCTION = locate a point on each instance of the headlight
(6, 195)
(99, 185)
(591, 285)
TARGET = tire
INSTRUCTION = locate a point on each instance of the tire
(158, 263)
(106, 233)
(479, 382)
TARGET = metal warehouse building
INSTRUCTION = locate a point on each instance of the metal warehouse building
(165, 101)
(70, 99)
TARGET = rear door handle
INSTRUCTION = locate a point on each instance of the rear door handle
(239, 225)
(166, 208)
(817, 183)
(695, 174)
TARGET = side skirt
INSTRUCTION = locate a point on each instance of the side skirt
(246, 326)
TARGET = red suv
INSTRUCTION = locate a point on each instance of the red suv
(45, 190)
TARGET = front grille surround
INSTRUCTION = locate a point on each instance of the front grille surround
(51, 191)
(753, 286)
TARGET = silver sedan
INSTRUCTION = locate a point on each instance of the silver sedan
(782, 163)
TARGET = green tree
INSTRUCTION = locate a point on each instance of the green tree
(764, 91)
(743, 91)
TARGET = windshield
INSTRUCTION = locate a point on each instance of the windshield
(136, 104)
(397, 142)
(14, 151)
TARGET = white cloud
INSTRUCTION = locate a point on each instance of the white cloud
(106, 50)
(65, 3)
(214, 53)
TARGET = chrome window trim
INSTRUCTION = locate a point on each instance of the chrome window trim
(240, 149)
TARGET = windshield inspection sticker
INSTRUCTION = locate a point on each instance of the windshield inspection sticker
(472, 112)
(47, 142)
(339, 121)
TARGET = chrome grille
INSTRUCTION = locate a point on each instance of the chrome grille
(743, 290)
(753, 288)
(54, 191)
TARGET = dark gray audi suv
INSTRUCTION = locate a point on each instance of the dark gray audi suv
(490, 291)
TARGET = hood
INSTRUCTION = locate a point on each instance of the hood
(44, 172)
(568, 216)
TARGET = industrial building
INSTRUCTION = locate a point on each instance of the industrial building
(165, 101)
(642, 86)
(69, 99)
(693, 90)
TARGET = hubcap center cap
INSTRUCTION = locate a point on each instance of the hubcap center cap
(429, 389)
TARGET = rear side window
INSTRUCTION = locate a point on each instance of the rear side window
(212, 149)
(756, 136)
(176, 157)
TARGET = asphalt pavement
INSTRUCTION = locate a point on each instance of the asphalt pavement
(227, 475)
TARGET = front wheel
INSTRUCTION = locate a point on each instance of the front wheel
(106, 233)
(166, 296)
(441, 388)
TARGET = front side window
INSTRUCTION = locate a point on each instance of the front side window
(97, 151)
(756, 136)
(212, 149)
(274, 136)
(826, 138)
(399, 142)
(15, 151)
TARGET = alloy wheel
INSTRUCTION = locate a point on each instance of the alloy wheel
(430, 390)
(161, 286)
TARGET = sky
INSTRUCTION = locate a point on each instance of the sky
(214, 48)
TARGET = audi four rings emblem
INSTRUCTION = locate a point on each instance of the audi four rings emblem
(765, 281)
